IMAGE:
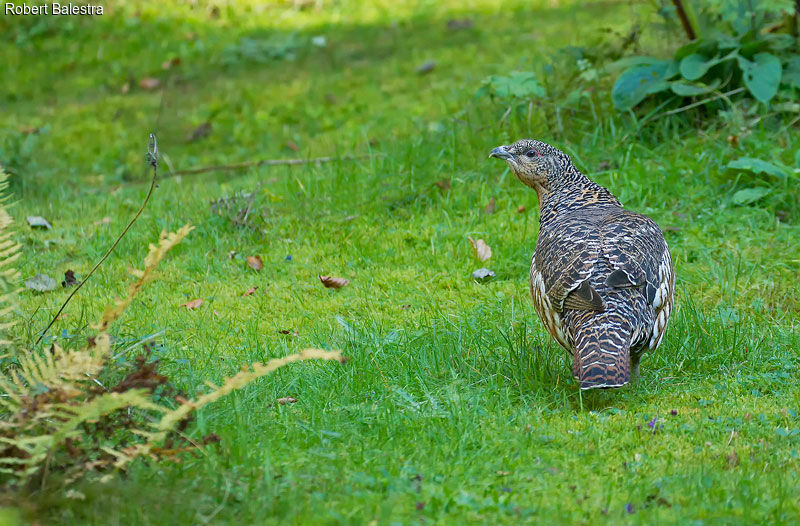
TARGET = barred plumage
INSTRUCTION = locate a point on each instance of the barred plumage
(601, 279)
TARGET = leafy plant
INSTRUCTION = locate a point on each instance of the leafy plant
(763, 173)
(261, 50)
(519, 86)
(728, 56)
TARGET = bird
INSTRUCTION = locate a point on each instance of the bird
(601, 279)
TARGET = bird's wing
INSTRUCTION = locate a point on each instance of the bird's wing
(638, 254)
(566, 257)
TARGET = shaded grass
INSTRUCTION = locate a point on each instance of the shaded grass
(455, 406)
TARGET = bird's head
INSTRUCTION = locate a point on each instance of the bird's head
(535, 163)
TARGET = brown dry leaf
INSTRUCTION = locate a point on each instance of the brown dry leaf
(193, 304)
(733, 459)
(290, 333)
(149, 83)
(490, 207)
(255, 263)
(334, 283)
(520, 209)
(443, 185)
(250, 291)
(286, 400)
(292, 146)
(171, 63)
(733, 140)
(482, 250)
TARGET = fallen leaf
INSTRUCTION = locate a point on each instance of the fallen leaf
(482, 250)
(250, 291)
(39, 222)
(443, 185)
(149, 83)
(733, 140)
(290, 333)
(483, 274)
(201, 131)
(105, 221)
(733, 459)
(490, 207)
(193, 304)
(426, 67)
(334, 283)
(255, 263)
(292, 146)
(69, 279)
(171, 63)
(286, 400)
(520, 209)
(41, 283)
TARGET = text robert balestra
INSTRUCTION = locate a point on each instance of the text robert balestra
(52, 9)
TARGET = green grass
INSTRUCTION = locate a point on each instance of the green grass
(455, 405)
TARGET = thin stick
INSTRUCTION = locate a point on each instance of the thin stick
(264, 162)
(152, 153)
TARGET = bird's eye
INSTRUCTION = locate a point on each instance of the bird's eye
(533, 153)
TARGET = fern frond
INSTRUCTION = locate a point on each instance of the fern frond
(154, 257)
(9, 276)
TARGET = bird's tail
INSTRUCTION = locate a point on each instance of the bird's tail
(602, 351)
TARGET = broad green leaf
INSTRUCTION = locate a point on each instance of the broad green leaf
(688, 89)
(629, 62)
(749, 195)
(756, 166)
(696, 65)
(638, 82)
(762, 76)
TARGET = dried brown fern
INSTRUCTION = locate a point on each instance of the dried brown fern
(9, 276)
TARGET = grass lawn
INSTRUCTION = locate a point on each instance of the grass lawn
(455, 405)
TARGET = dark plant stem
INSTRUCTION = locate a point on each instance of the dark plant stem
(687, 25)
(153, 157)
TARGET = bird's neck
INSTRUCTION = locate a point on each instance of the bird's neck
(574, 192)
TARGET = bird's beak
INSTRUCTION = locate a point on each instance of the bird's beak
(501, 153)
